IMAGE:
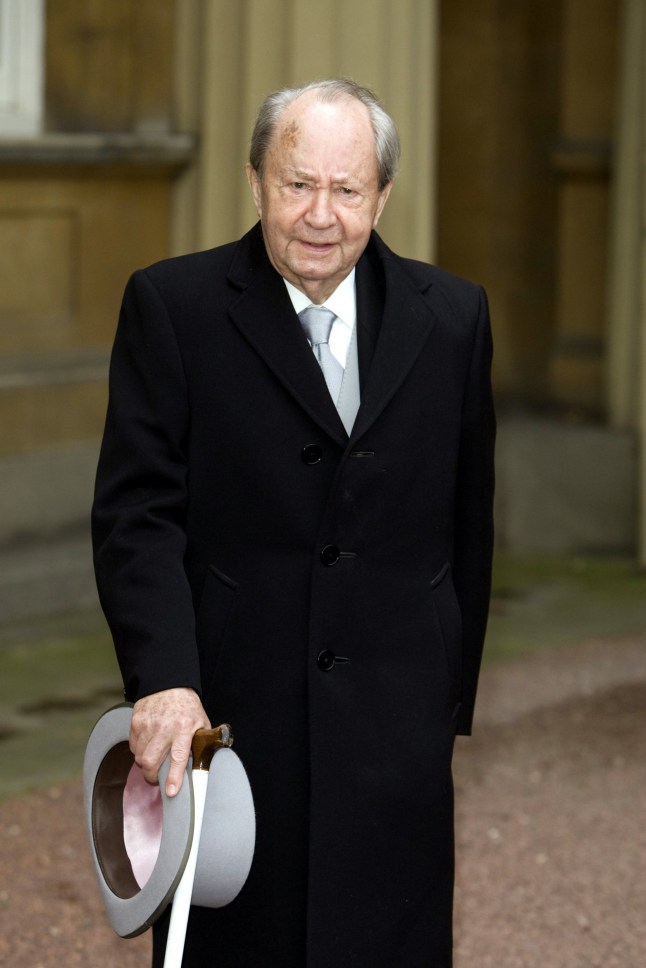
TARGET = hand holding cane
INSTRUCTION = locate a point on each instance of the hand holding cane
(205, 744)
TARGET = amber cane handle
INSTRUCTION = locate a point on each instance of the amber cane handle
(207, 741)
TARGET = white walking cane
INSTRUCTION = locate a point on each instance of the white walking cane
(205, 743)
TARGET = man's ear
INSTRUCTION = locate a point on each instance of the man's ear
(254, 184)
(381, 202)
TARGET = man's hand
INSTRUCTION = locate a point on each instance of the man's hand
(162, 722)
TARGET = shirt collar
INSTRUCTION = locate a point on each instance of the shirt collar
(342, 302)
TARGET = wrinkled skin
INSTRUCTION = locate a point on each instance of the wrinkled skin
(166, 722)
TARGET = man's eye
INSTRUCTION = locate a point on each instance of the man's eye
(298, 185)
(346, 191)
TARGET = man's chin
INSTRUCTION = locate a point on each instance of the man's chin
(317, 266)
(317, 282)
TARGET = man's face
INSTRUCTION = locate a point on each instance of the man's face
(319, 199)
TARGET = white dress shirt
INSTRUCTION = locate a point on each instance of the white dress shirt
(343, 303)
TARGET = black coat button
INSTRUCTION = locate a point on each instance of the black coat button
(325, 660)
(312, 454)
(330, 555)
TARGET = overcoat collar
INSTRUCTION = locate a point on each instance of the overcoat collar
(265, 316)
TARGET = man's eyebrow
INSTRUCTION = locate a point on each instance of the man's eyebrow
(300, 175)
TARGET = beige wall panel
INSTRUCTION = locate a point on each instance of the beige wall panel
(467, 139)
(590, 33)
(583, 254)
(317, 44)
(188, 31)
(187, 107)
(468, 136)
(269, 38)
(50, 415)
(219, 182)
(577, 366)
(111, 226)
(151, 64)
(126, 226)
(108, 64)
(589, 85)
(501, 110)
(362, 38)
(37, 250)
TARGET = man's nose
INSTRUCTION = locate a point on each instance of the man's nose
(321, 210)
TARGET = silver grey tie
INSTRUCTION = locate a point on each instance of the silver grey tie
(317, 325)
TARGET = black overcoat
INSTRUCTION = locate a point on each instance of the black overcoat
(326, 596)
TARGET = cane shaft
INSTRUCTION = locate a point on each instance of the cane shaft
(182, 899)
(205, 744)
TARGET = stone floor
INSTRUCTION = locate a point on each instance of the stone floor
(551, 840)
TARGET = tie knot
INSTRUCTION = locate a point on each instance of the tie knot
(316, 323)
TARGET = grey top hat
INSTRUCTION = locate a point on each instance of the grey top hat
(140, 838)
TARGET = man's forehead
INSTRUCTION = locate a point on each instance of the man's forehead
(310, 126)
(308, 106)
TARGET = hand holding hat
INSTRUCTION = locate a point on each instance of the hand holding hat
(162, 723)
(141, 838)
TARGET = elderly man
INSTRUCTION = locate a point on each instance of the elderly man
(293, 533)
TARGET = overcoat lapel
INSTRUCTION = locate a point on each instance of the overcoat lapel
(388, 347)
(409, 316)
(265, 316)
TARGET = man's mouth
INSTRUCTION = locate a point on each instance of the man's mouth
(317, 246)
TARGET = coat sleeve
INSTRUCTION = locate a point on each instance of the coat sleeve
(473, 525)
(139, 510)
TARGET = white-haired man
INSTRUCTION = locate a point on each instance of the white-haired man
(293, 533)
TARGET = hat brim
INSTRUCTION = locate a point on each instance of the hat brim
(226, 845)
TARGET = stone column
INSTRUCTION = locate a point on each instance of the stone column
(581, 160)
(626, 325)
(625, 313)
(230, 53)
